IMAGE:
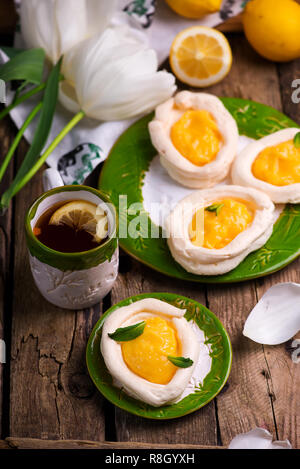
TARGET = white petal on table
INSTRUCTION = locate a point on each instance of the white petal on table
(258, 438)
(276, 317)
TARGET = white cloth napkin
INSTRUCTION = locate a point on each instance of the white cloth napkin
(75, 157)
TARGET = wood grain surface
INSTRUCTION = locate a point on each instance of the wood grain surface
(6, 261)
(46, 385)
(8, 17)
(32, 443)
(57, 399)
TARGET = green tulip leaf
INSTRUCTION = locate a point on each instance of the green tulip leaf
(27, 65)
(40, 136)
(11, 51)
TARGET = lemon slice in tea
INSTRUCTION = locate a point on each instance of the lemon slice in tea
(82, 215)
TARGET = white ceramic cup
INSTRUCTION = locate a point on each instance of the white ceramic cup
(72, 280)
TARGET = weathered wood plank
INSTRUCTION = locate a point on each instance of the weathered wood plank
(229, 302)
(4, 445)
(257, 371)
(246, 403)
(282, 374)
(197, 428)
(31, 443)
(288, 72)
(8, 17)
(52, 396)
(251, 76)
(6, 133)
(233, 24)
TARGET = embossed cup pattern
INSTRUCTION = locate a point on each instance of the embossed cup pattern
(75, 289)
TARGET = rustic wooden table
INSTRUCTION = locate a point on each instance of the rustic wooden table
(45, 389)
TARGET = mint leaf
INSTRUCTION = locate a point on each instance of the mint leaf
(297, 140)
(214, 208)
(124, 334)
(180, 362)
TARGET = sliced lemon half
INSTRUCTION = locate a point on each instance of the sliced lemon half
(200, 56)
(82, 215)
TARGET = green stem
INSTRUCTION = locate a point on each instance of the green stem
(17, 93)
(21, 99)
(49, 150)
(19, 135)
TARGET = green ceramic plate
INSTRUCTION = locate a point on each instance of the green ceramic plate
(221, 354)
(124, 171)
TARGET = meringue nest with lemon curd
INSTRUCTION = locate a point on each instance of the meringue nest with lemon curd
(211, 231)
(196, 138)
(150, 350)
(272, 165)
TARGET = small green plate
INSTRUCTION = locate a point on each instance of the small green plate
(123, 174)
(221, 354)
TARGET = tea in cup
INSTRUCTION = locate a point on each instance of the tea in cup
(73, 246)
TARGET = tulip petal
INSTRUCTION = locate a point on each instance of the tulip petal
(115, 76)
(276, 317)
(67, 97)
(258, 438)
(99, 14)
(44, 23)
(69, 32)
(89, 17)
(37, 25)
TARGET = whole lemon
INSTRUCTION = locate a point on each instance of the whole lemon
(273, 28)
(194, 8)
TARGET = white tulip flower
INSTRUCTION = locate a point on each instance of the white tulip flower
(113, 77)
(57, 25)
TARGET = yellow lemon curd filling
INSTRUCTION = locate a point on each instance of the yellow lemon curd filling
(146, 356)
(196, 136)
(222, 225)
(278, 165)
